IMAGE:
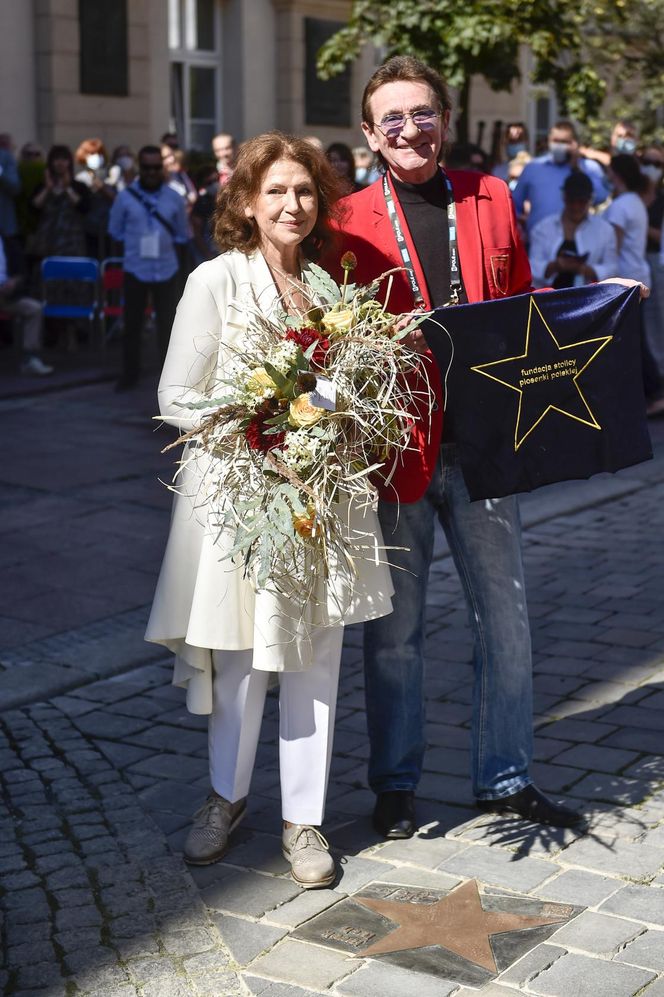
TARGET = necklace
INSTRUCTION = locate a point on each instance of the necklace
(293, 293)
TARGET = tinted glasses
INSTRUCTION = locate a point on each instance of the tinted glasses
(393, 124)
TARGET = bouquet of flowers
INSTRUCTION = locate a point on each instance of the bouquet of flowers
(312, 407)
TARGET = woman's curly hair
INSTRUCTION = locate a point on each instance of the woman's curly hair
(232, 228)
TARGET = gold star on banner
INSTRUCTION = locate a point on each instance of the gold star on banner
(546, 376)
(457, 923)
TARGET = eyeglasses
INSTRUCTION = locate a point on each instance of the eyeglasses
(393, 124)
(150, 167)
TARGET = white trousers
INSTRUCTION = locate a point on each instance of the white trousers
(307, 706)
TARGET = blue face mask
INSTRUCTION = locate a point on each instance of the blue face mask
(560, 152)
(514, 148)
(626, 145)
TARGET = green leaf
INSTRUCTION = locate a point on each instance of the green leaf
(322, 284)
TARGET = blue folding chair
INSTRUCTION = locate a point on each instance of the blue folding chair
(77, 269)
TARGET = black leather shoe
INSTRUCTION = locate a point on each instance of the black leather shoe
(394, 814)
(533, 805)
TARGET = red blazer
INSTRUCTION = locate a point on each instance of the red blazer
(494, 264)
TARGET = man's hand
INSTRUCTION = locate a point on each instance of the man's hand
(415, 340)
(628, 282)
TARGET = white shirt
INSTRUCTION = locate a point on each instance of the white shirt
(628, 212)
(593, 236)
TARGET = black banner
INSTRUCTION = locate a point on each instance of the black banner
(542, 387)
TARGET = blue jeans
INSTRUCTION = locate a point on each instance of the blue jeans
(485, 541)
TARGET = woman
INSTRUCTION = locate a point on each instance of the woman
(629, 217)
(340, 158)
(91, 158)
(574, 247)
(271, 217)
(61, 204)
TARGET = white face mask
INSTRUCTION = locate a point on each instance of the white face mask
(94, 161)
(654, 173)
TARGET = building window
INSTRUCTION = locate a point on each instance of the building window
(194, 37)
(326, 102)
(103, 58)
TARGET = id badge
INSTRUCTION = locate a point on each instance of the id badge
(149, 246)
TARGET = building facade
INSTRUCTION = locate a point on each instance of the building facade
(129, 70)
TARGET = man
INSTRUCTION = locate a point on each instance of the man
(574, 247)
(150, 219)
(19, 306)
(624, 139)
(403, 221)
(224, 150)
(540, 183)
(10, 186)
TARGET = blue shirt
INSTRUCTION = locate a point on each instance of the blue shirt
(541, 183)
(10, 185)
(131, 220)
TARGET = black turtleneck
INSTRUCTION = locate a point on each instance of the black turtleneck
(425, 208)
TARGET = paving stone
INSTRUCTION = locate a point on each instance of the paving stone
(598, 934)
(420, 850)
(499, 868)
(306, 905)
(187, 941)
(249, 893)
(612, 788)
(576, 886)
(300, 963)
(586, 977)
(266, 988)
(655, 989)
(246, 940)
(411, 876)
(638, 902)
(630, 859)
(261, 852)
(378, 979)
(599, 758)
(353, 873)
(530, 965)
(646, 951)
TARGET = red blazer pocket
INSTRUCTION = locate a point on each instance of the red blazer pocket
(497, 266)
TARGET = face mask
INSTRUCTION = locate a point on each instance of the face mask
(626, 145)
(654, 173)
(560, 152)
(514, 148)
(94, 161)
(125, 163)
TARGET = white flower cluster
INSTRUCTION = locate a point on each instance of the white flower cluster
(283, 355)
(303, 450)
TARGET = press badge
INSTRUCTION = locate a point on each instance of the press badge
(324, 394)
(149, 246)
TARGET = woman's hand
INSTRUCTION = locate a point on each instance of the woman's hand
(628, 282)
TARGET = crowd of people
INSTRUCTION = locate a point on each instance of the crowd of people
(584, 213)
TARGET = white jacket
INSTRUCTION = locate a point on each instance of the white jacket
(594, 236)
(203, 602)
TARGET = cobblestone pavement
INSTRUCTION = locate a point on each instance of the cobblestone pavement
(101, 766)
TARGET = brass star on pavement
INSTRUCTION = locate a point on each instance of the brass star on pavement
(545, 376)
(457, 923)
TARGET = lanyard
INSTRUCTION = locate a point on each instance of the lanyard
(455, 273)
